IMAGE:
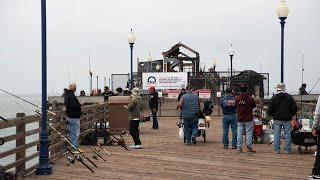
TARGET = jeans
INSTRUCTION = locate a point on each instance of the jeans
(277, 125)
(316, 166)
(190, 123)
(249, 132)
(155, 119)
(134, 131)
(229, 120)
(74, 130)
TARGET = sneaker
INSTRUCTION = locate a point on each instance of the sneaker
(134, 146)
(234, 147)
(188, 144)
(287, 152)
(193, 139)
(77, 151)
(239, 151)
(140, 146)
(225, 146)
(249, 149)
(277, 152)
(314, 177)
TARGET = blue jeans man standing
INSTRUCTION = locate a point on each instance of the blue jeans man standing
(248, 127)
(228, 106)
(227, 121)
(286, 125)
(282, 108)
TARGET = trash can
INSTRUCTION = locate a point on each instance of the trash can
(118, 115)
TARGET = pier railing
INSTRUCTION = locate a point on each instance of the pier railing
(22, 139)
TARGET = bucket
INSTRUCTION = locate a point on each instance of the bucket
(266, 134)
(201, 124)
(271, 138)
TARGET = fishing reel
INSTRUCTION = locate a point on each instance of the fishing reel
(121, 140)
(95, 156)
(71, 160)
(101, 125)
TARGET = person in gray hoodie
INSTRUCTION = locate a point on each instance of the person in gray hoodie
(135, 108)
(315, 132)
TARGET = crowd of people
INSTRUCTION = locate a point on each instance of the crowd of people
(237, 115)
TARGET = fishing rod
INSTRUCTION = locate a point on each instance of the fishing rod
(97, 144)
(115, 139)
(39, 113)
(95, 153)
(3, 119)
(314, 85)
(78, 158)
(26, 101)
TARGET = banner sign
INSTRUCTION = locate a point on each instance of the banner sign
(204, 93)
(165, 80)
(173, 94)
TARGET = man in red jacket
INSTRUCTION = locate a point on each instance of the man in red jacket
(245, 104)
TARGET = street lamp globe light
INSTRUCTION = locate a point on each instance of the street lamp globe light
(131, 40)
(283, 12)
(158, 66)
(214, 64)
(231, 53)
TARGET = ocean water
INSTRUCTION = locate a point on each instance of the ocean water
(9, 106)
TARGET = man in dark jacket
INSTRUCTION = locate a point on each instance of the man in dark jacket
(153, 104)
(73, 112)
(245, 104)
(282, 108)
(228, 105)
(182, 92)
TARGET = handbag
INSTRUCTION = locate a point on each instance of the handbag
(181, 133)
(208, 119)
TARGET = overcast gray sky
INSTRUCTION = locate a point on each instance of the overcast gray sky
(207, 26)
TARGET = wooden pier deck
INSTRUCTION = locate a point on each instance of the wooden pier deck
(166, 157)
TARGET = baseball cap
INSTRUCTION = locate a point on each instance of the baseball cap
(152, 88)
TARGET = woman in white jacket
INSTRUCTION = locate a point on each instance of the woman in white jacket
(316, 132)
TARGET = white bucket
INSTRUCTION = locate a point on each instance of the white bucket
(202, 124)
(271, 138)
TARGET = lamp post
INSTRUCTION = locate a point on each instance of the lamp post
(231, 53)
(149, 58)
(214, 64)
(44, 167)
(214, 81)
(283, 12)
(131, 40)
(158, 66)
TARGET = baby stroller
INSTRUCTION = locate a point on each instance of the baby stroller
(302, 137)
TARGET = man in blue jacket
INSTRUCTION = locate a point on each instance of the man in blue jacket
(190, 109)
(229, 118)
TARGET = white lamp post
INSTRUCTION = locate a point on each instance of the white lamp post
(283, 12)
(131, 40)
(231, 53)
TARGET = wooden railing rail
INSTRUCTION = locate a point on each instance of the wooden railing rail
(57, 147)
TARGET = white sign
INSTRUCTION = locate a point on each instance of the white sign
(219, 94)
(173, 94)
(169, 80)
(160, 94)
(204, 93)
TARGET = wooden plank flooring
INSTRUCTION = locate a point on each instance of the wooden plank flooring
(166, 157)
